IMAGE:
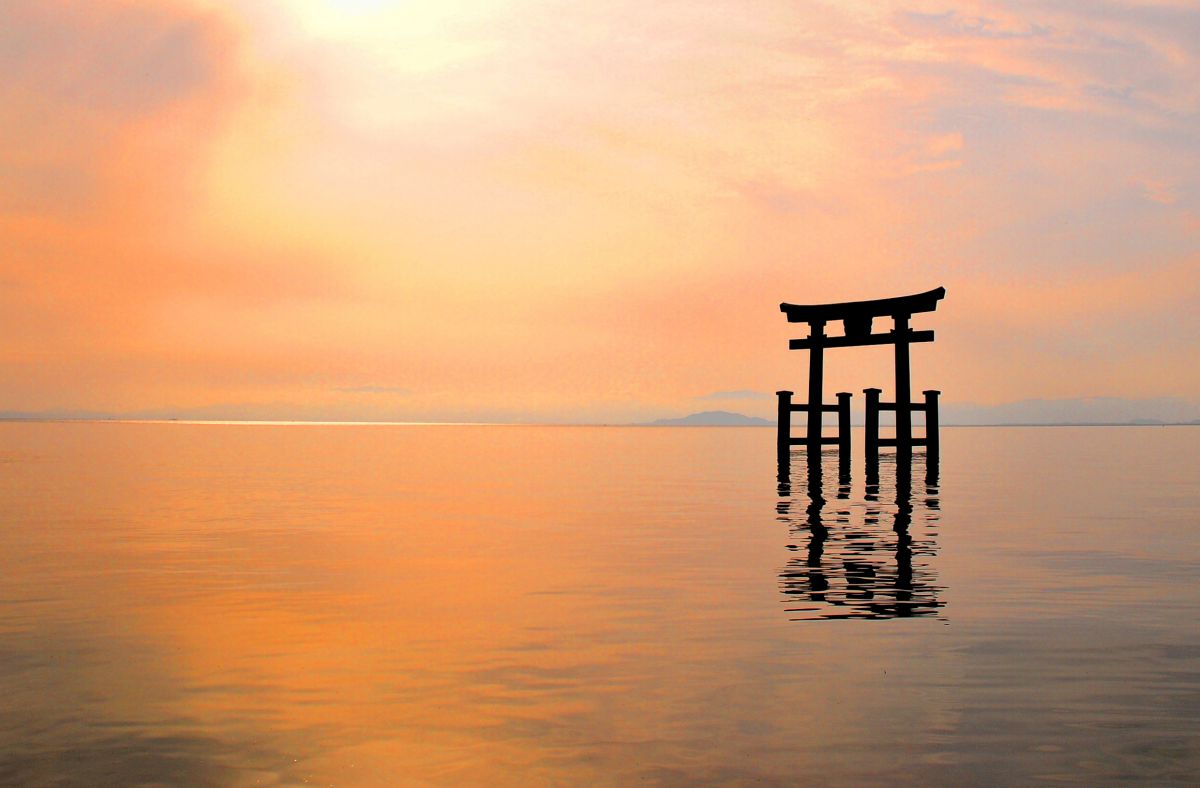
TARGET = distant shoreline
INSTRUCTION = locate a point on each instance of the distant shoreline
(944, 424)
(317, 423)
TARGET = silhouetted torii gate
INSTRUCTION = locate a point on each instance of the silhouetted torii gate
(856, 317)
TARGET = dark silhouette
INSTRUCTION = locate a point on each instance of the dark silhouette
(857, 569)
(857, 317)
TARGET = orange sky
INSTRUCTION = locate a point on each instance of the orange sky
(553, 211)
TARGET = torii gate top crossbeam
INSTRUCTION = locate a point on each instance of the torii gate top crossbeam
(863, 310)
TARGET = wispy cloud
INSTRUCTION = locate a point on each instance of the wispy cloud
(1158, 190)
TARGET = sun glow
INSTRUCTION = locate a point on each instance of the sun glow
(398, 21)
(338, 16)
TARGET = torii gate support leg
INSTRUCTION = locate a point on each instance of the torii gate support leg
(816, 382)
(903, 390)
(843, 410)
(871, 428)
(932, 440)
(783, 435)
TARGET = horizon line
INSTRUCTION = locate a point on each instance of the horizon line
(360, 423)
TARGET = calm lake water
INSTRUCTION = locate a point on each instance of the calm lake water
(349, 605)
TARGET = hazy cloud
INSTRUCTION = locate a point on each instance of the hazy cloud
(737, 394)
(75, 76)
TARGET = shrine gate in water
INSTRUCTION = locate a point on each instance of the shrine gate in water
(856, 318)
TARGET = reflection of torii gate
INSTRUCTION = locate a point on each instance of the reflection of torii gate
(856, 317)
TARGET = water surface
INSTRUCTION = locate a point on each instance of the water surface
(258, 604)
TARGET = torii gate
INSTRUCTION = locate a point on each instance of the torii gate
(856, 317)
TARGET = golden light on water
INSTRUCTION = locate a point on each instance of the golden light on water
(231, 604)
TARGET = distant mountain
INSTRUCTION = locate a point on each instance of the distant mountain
(54, 415)
(713, 418)
(1080, 410)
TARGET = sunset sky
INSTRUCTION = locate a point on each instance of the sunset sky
(535, 210)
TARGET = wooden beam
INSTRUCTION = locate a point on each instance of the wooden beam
(824, 408)
(892, 406)
(881, 307)
(890, 338)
